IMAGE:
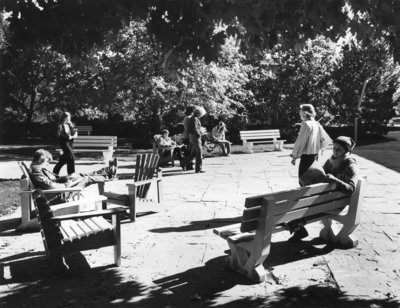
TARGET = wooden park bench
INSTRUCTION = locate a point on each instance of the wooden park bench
(85, 130)
(77, 232)
(264, 215)
(90, 144)
(74, 194)
(249, 137)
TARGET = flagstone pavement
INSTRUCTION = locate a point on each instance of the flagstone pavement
(171, 258)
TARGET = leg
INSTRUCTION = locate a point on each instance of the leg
(306, 161)
(199, 158)
(70, 157)
(222, 144)
(63, 158)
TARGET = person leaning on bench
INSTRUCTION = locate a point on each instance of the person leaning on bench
(43, 178)
(341, 169)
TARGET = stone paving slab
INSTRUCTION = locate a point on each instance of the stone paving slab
(170, 256)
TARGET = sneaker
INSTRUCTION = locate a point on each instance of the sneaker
(112, 172)
(200, 171)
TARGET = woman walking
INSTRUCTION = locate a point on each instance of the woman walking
(307, 144)
(66, 133)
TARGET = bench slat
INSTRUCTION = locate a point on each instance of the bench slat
(293, 194)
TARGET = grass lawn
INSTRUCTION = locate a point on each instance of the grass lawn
(9, 197)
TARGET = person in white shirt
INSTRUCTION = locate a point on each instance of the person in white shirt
(307, 144)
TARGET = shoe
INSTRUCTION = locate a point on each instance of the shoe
(298, 235)
(113, 162)
(200, 171)
(112, 172)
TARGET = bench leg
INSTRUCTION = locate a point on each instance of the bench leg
(248, 147)
(116, 221)
(242, 261)
(132, 202)
(107, 156)
(327, 233)
(278, 145)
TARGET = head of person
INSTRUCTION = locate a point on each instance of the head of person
(165, 133)
(65, 117)
(199, 112)
(342, 146)
(307, 112)
(222, 127)
(41, 157)
(189, 110)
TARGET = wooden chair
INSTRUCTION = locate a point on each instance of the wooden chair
(264, 215)
(77, 232)
(146, 168)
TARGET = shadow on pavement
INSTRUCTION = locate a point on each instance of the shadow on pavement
(41, 284)
(200, 225)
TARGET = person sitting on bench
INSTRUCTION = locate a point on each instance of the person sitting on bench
(341, 169)
(43, 178)
(218, 137)
(166, 141)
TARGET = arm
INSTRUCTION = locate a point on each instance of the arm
(301, 141)
(197, 127)
(40, 180)
(349, 185)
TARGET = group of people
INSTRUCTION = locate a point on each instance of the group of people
(194, 139)
(341, 168)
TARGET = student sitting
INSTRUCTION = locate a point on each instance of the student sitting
(166, 142)
(218, 137)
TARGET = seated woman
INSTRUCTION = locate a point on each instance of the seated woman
(341, 169)
(43, 178)
(218, 137)
(166, 142)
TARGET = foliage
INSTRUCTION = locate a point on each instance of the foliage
(191, 27)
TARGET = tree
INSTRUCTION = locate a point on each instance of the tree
(191, 27)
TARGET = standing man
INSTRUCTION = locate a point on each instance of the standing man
(194, 130)
(188, 165)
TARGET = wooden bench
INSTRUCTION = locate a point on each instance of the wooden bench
(85, 130)
(249, 137)
(66, 234)
(74, 194)
(103, 144)
(264, 215)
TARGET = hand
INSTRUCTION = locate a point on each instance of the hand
(331, 178)
(293, 161)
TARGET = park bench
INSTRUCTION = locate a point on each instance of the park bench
(249, 137)
(74, 194)
(90, 144)
(85, 130)
(71, 233)
(264, 215)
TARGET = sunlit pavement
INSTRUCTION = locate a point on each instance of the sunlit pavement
(170, 256)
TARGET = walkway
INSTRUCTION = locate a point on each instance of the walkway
(172, 258)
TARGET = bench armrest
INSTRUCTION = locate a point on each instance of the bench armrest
(53, 191)
(111, 211)
(144, 182)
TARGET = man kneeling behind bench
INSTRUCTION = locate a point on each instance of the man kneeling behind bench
(42, 178)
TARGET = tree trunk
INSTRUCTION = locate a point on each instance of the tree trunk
(30, 112)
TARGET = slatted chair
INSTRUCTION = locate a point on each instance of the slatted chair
(71, 194)
(77, 232)
(145, 170)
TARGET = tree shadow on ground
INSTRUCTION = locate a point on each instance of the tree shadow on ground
(35, 282)
(200, 225)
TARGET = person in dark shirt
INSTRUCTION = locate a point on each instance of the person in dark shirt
(66, 133)
(42, 178)
(194, 130)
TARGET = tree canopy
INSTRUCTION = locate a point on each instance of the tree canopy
(200, 27)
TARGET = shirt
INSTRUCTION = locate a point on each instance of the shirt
(307, 142)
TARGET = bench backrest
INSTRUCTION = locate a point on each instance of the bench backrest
(95, 141)
(85, 129)
(260, 134)
(25, 171)
(146, 167)
(318, 200)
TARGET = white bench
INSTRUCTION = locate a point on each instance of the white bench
(85, 130)
(249, 137)
(103, 144)
(250, 241)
